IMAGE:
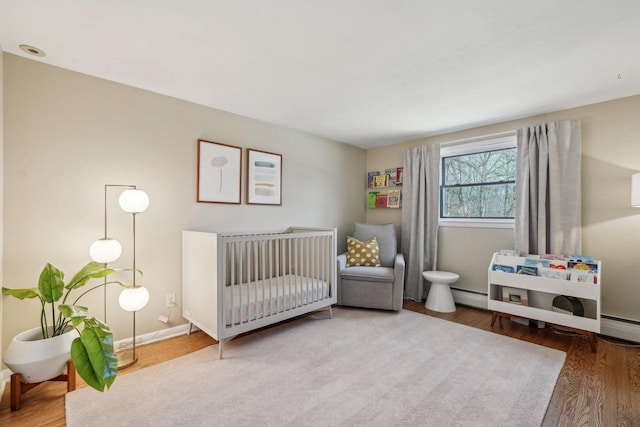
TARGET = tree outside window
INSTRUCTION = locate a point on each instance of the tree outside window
(479, 185)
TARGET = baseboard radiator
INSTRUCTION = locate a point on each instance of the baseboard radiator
(611, 326)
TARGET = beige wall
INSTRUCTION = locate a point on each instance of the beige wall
(1, 188)
(610, 154)
(68, 134)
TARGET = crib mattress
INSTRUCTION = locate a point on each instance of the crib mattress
(271, 296)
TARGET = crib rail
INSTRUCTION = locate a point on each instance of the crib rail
(270, 273)
(237, 282)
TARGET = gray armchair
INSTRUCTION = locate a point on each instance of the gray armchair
(373, 287)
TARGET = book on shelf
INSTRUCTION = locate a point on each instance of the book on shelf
(393, 176)
(399, 175)
(509, 252)
(504, 268)
(558, 265)
(527, 270)
(589, 268)
(536, 262)
(586, 266)
(582, 276)
(371, 199)
(393, 199)
(380, 181)
(553, 256)
(552, 273)
(381, 200)
(370, 176)
(580, 258)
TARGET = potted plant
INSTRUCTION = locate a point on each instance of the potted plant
(91, 349)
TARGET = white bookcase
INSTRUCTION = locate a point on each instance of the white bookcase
(540, 293)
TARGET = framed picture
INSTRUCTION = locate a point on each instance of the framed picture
(264, 178)
(219, 172)
(515, 295)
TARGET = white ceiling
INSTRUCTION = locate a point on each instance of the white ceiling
(365, 72)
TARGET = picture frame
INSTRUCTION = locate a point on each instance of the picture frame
(515, 295)
(264, 178)
(219, 173)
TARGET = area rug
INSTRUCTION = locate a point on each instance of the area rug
(361, 368)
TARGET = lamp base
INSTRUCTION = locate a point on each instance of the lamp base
(126, 358)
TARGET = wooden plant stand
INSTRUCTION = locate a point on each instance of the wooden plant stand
(18, 388)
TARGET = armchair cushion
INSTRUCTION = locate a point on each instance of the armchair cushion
(362, 253)
(380, 274)
(386, 237)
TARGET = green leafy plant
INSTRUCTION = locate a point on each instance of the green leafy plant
(92, 352)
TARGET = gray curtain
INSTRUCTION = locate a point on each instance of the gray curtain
(420, 215)
(548, 193)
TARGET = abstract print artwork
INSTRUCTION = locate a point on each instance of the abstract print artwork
(219, 172)
(264, 178)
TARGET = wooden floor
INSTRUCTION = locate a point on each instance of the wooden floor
(594, 389)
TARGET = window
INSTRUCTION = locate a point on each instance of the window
(477, 181)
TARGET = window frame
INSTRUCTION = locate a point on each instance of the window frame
(467, 147)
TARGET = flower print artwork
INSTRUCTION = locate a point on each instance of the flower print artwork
(219, 162)
(219, 172)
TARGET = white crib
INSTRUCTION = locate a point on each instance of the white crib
(234, 283)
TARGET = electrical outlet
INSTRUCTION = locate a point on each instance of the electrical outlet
(170, 300)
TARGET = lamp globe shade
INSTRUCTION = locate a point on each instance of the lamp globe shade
(105, 250)
(134, 298)
(134, 201)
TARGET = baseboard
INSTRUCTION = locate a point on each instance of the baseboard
(5, 374)
(617, 327)
(611, 326)
(162, 334)
(151, 337)
(471, 298)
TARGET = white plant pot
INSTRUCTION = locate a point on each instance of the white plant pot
(38, 359)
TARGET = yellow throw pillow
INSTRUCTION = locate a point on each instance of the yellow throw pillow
(362, 253)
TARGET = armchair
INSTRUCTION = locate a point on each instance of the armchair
(373, 287)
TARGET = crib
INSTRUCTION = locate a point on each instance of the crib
(233, 283)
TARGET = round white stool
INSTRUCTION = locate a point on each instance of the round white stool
(440, 298)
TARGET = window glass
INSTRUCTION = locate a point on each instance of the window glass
(478, 184)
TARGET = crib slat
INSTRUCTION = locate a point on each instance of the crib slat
(297, 265)
(232, 249)
(292, 273)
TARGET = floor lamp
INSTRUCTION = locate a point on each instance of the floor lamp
(106, 250)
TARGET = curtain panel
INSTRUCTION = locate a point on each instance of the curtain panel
(548, 191)
(420, 216)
